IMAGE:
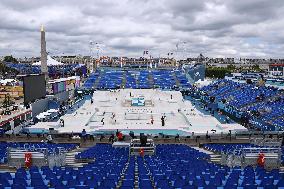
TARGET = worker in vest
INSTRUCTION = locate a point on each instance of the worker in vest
(141, 152)
(28, 160)
(260, 160)
(120, 136)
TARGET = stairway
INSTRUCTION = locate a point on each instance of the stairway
(150, 175)
(137, 81)
(119, 183)
(123, 82)
(97, 80)
(136, 174)
(176, 80)
(215, 158)
(71, 161)
(151, 80)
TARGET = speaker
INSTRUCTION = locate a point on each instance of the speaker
(131, 133)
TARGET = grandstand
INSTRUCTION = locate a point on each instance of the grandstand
(137, 79)
(208, 139)
(121, 105)
(261, 105)
(173, 166)
(54, 71)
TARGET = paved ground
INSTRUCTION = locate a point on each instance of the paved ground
(180, 115)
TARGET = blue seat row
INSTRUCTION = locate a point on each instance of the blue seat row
(145, 79)
(173, 166)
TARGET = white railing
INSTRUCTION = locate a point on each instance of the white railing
(40, 157)
(136, 148)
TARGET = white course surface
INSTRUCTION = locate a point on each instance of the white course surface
(117, 113)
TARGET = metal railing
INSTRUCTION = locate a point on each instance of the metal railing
(40, 156)
(148, 149)
(249, 156)
(268, 142)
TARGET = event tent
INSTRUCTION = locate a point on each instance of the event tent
(50, 62)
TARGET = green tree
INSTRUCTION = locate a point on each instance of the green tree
(5, 69)
(231, 67)
(256, 68)
(10, 59)
(216, 72)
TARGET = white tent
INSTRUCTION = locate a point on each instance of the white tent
(50, 62)
(200, 83)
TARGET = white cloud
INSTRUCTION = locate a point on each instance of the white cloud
(127, 27)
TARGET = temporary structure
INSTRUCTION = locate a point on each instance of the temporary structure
(50, 62)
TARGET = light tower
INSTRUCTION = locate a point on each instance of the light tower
(43, 58)
(181, 47)
(95, 46)
(90, 64)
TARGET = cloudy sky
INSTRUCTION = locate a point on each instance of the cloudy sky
(228, 28)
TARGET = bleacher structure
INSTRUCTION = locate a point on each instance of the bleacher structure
(136, 79)
(158, 166)
(172, 166)
(53, 71)
(261, 105)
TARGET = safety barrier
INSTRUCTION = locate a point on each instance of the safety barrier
(268, 142)
(137, 150)
(272, 156)
(250, 156)
(38, 157)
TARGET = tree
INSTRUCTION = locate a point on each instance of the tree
(231, 67)
(6, 70)
(217, 72)
(10, 59)
(7, 101)
(256, 68)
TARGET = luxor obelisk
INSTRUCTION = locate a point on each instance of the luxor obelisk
(43, 58)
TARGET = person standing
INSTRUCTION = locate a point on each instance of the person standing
(152, 120)
(163, 121)
(84, 135)
(49, 139)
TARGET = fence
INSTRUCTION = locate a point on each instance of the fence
(40, 157)
(148, 149)
(268, 142)
(249, 156)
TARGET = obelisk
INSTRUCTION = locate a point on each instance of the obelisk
(43, 58)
